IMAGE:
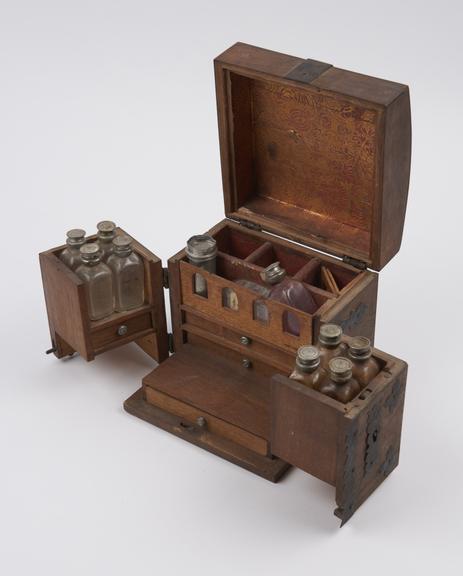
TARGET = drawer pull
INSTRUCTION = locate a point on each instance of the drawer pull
(245, 341)
(201, 424)
(246, 363)
(122, 330)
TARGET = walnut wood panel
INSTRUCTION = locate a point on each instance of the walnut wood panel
(313, 157)
(66, 307)
(213, 424)
(305, 428)
(216, 384)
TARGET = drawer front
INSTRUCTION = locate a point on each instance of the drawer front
(121, 332)
(212, 424)
(242, 344)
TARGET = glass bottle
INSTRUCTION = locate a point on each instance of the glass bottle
(98, 282)
(106, 234)
(307, 369)
(340, 384)
(71, 254)
(365, 367)
(290, 292)
(329, 343)
(128, 275)
(202, 252)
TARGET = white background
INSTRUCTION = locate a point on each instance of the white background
(107, 110)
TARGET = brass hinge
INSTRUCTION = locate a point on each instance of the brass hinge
(250, 225)
(170, 338)
(165, 278)
(354, 262)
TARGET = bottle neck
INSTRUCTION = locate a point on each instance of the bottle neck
(330, 345)
(75, 245)
(360, 357)
(91, 262)
(340, 379)
(122, 253)
(106, 238)
(307, 369)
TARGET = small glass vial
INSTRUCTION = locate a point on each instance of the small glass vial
(202, 252)
(329, 343)
(307, 369)
(106, 234)
(71, 254)
(288, 291)
(128, 275)
(365, 367)
(98, 282)
(340, 384)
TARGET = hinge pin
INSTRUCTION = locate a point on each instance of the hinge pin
(165, 278)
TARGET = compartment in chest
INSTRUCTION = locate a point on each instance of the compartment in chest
(71, 328)
(342, 293)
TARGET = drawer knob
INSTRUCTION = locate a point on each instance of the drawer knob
(122, 330)
(245, 341)
(246, 363)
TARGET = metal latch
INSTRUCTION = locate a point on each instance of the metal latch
(354, 262)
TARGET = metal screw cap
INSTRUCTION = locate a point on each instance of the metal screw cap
(308, 358)
(106, 229)
(340, 369)
(330, 334)
(360, 348)
(90, 252)
(75, 236)
(273, 274)
(201, 247)
(122, 243)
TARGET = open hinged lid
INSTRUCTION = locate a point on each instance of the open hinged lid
(314, 153)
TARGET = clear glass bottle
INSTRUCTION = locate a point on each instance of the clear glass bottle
(106, 234)
(98, 280)
(307, 369)
(260, 308)
(365, 367)
(128, 275)
(71, 254)
(340, 384)
(202, 252)
(329, 343)
(290, 292)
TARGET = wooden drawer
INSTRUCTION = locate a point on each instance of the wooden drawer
(209, 424)
(120, 330)
(243, 344)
